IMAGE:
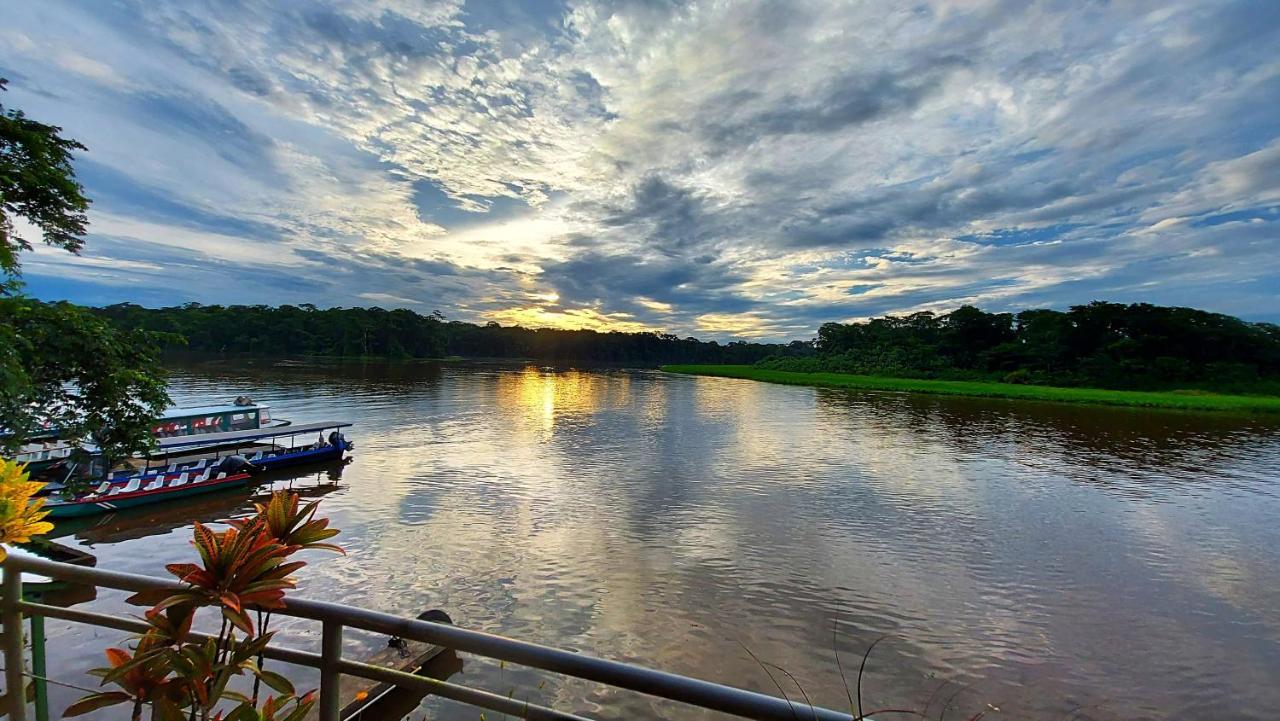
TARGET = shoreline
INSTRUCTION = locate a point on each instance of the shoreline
(1171, 400)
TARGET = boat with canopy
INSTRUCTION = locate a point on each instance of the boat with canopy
(233, 459)
(47, 448)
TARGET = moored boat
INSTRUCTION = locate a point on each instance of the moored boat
(165, 487)
(179, 476)
(47, 448)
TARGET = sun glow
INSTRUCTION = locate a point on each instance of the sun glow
(747, 325)
(568, 319)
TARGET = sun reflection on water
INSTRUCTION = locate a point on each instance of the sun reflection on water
(542, 397)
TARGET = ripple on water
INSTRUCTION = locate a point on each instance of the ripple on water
(1038, 557)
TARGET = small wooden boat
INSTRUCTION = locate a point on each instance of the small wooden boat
(249, 452)
(159, 519)
(161, 487)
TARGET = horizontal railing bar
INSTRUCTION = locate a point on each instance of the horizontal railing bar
(472, 696)
(133, 625)
(696, 692)
(403, 679)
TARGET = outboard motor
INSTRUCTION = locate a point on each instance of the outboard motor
(236, 463)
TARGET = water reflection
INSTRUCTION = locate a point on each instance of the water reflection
(1046, 557)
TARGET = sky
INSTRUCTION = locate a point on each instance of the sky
(718, 169)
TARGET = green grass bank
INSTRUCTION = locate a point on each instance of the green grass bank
(1179, 400)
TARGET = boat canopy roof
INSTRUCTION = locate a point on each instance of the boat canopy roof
(180, 412)
(207, 439)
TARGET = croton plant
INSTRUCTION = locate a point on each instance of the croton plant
(243, 575)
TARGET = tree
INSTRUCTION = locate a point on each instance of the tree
(38, 183)
(70, 370)
(62, 369)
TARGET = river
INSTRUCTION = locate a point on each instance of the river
(1040, 559)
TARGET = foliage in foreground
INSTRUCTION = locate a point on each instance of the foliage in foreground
(60, 366)
(243, 574)
(1099, 396)
(21, 515)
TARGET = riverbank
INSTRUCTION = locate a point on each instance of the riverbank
(1179, 400)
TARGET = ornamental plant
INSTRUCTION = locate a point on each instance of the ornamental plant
(21, 516)
(243, 575)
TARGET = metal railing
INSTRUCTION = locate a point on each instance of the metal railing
(335, 617)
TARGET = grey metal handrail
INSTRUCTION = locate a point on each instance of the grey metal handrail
(334, 617)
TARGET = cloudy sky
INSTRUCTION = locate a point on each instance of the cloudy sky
(748, 168)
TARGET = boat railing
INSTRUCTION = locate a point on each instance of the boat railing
(334, 618)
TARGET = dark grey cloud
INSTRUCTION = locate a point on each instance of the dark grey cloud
(616, 281)
(116, 192)
(779, 163)
(207, 122)
(845, 101)
(671, 218)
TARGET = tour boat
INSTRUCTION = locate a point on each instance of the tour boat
(179, 475)
(242, 414)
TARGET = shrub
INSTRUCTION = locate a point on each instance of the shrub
(244, 573)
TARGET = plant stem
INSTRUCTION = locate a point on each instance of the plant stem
(263, 622)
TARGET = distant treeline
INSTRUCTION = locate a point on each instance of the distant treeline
(376, 332)
(1108, 345)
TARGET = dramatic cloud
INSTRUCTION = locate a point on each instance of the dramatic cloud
(750, 168)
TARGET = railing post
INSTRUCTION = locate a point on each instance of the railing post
(14, 655)
(330, 677)
(39, 670)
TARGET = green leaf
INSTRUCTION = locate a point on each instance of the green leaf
(276, 681)
(237, 696)
(239, 619)
(150, 597)
(253, 647)
(167, 710)
(119, 672)
(95, 701)
(301, 707)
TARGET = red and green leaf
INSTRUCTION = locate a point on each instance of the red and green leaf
(95, 701)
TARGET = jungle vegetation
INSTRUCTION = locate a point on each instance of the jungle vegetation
(400, 333)
(1101, 345)
(1135, 346)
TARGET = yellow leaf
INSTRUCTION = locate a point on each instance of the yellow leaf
(20, 516)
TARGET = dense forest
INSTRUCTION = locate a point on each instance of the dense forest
(1108, 345)
(357, 332)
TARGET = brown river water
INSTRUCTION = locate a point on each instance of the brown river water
(1043, 560)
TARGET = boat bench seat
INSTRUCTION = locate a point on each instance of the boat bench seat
(130, 487)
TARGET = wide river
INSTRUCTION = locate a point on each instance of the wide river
(1040, 559)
